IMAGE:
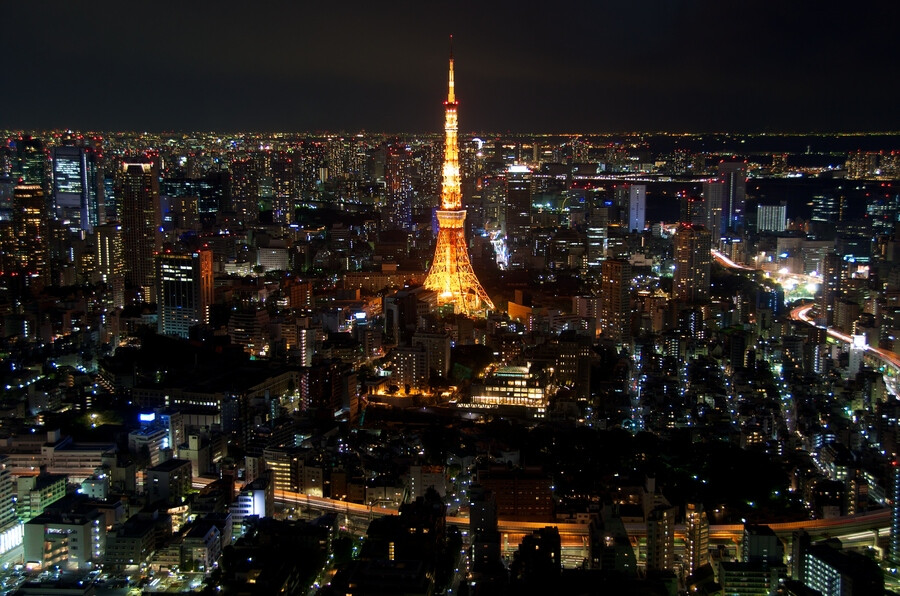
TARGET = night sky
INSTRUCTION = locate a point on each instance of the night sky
(546, 66)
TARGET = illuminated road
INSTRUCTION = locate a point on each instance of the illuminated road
(576, 534)
(726, 262)
(889, 359)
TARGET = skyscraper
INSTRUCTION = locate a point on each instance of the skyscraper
(714, 199)
(895, 512)
(734, 175)
(637, 207)
(137, 192)
(111, 262)
(29, 221)
(771, 218)
(615, 300)
(30, 163)
(77, 194)
(398, 187)
(830, 289)
(518, 203)
(692, 264)
(451, 274)
(184, 291)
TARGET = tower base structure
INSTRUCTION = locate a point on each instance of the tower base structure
(451, 274)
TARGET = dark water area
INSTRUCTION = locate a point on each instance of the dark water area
(797, 145)
(663, 203)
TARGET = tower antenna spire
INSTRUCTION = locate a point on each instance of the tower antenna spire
(451, 89)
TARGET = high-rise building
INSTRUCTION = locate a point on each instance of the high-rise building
(110, 262)
(137, 192)
(637, 207)
(696, 537)
(827, 208)
(29, 164)
(30, 231)
(77, 190)
(692, 264)
(451, 275)
(245, 176)
(615, 300)
(398, 166)
(184, 285)
(830, 289)
(895, 512)
(771, 218)
(661, 538)
(518, 203)
(10, 528)
(714, 199)
(734, 175)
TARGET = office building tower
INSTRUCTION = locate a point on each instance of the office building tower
(637, 207)
(77, 188)
(30, 232)
(696, 537)
(615, 301)
(692, 264)
(518, 203)
(451, 275)
(771, 218)
(714, 200)
(137, 192)
(184, 285)
(827, 208)
(29, 165)
(734, 176)
(597, 235)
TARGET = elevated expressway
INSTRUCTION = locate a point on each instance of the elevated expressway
(887, 361)
(865, 527)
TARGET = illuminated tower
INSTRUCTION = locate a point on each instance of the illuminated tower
(451, 274)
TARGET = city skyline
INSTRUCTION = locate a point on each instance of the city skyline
(685, 66)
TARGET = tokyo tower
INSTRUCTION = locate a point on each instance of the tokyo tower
(451, 274)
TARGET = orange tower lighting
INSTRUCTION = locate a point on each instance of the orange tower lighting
(451, 274)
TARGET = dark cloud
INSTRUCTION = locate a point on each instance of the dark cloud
(588, 66)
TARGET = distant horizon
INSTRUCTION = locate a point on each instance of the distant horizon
(34, 132)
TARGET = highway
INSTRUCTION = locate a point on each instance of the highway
(801, 313)
(889, 359)
(574, 534)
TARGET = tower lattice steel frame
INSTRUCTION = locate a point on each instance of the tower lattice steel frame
(451, 274)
